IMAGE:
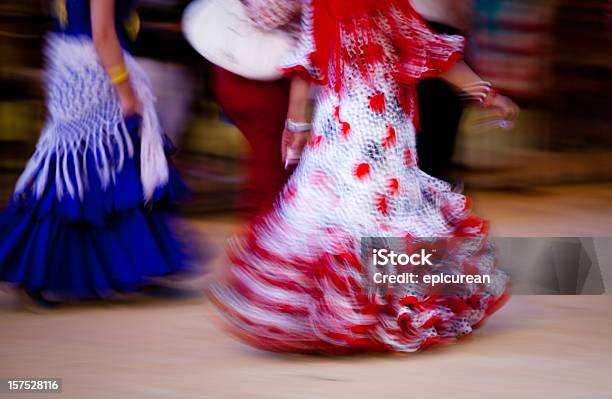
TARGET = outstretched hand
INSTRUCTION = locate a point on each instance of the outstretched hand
(505, 108)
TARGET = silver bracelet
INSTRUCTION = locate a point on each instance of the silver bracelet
(298, 127)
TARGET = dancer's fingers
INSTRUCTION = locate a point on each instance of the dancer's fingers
(294, 150)
(299, 142)
(505, 108)
(285, 143)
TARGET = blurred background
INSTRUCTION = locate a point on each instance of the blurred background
(552, 56)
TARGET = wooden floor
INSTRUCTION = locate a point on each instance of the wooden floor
(535, 347)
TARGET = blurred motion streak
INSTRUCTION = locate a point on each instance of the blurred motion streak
(552, 55)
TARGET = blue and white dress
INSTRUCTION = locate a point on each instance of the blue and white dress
(89, 215)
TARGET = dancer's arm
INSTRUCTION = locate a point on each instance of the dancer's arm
(110, 53)
(299, 113)
(464, 78)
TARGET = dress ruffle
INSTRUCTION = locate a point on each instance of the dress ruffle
(297, 282)
(71, 260)
(319, 302)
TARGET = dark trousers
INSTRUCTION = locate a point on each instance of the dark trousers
(440, 110)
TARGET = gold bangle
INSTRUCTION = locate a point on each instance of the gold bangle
(118, 74)
(120, 78)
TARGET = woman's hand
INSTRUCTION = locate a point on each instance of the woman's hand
(127, 100)
(467, 81)
(504, 108)
(292, 147)
(297, 129)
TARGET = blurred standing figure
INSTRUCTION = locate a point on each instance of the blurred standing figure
(440, 107)
(259, 109)
(88, 217)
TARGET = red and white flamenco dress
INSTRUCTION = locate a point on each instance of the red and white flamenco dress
(296, 281)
